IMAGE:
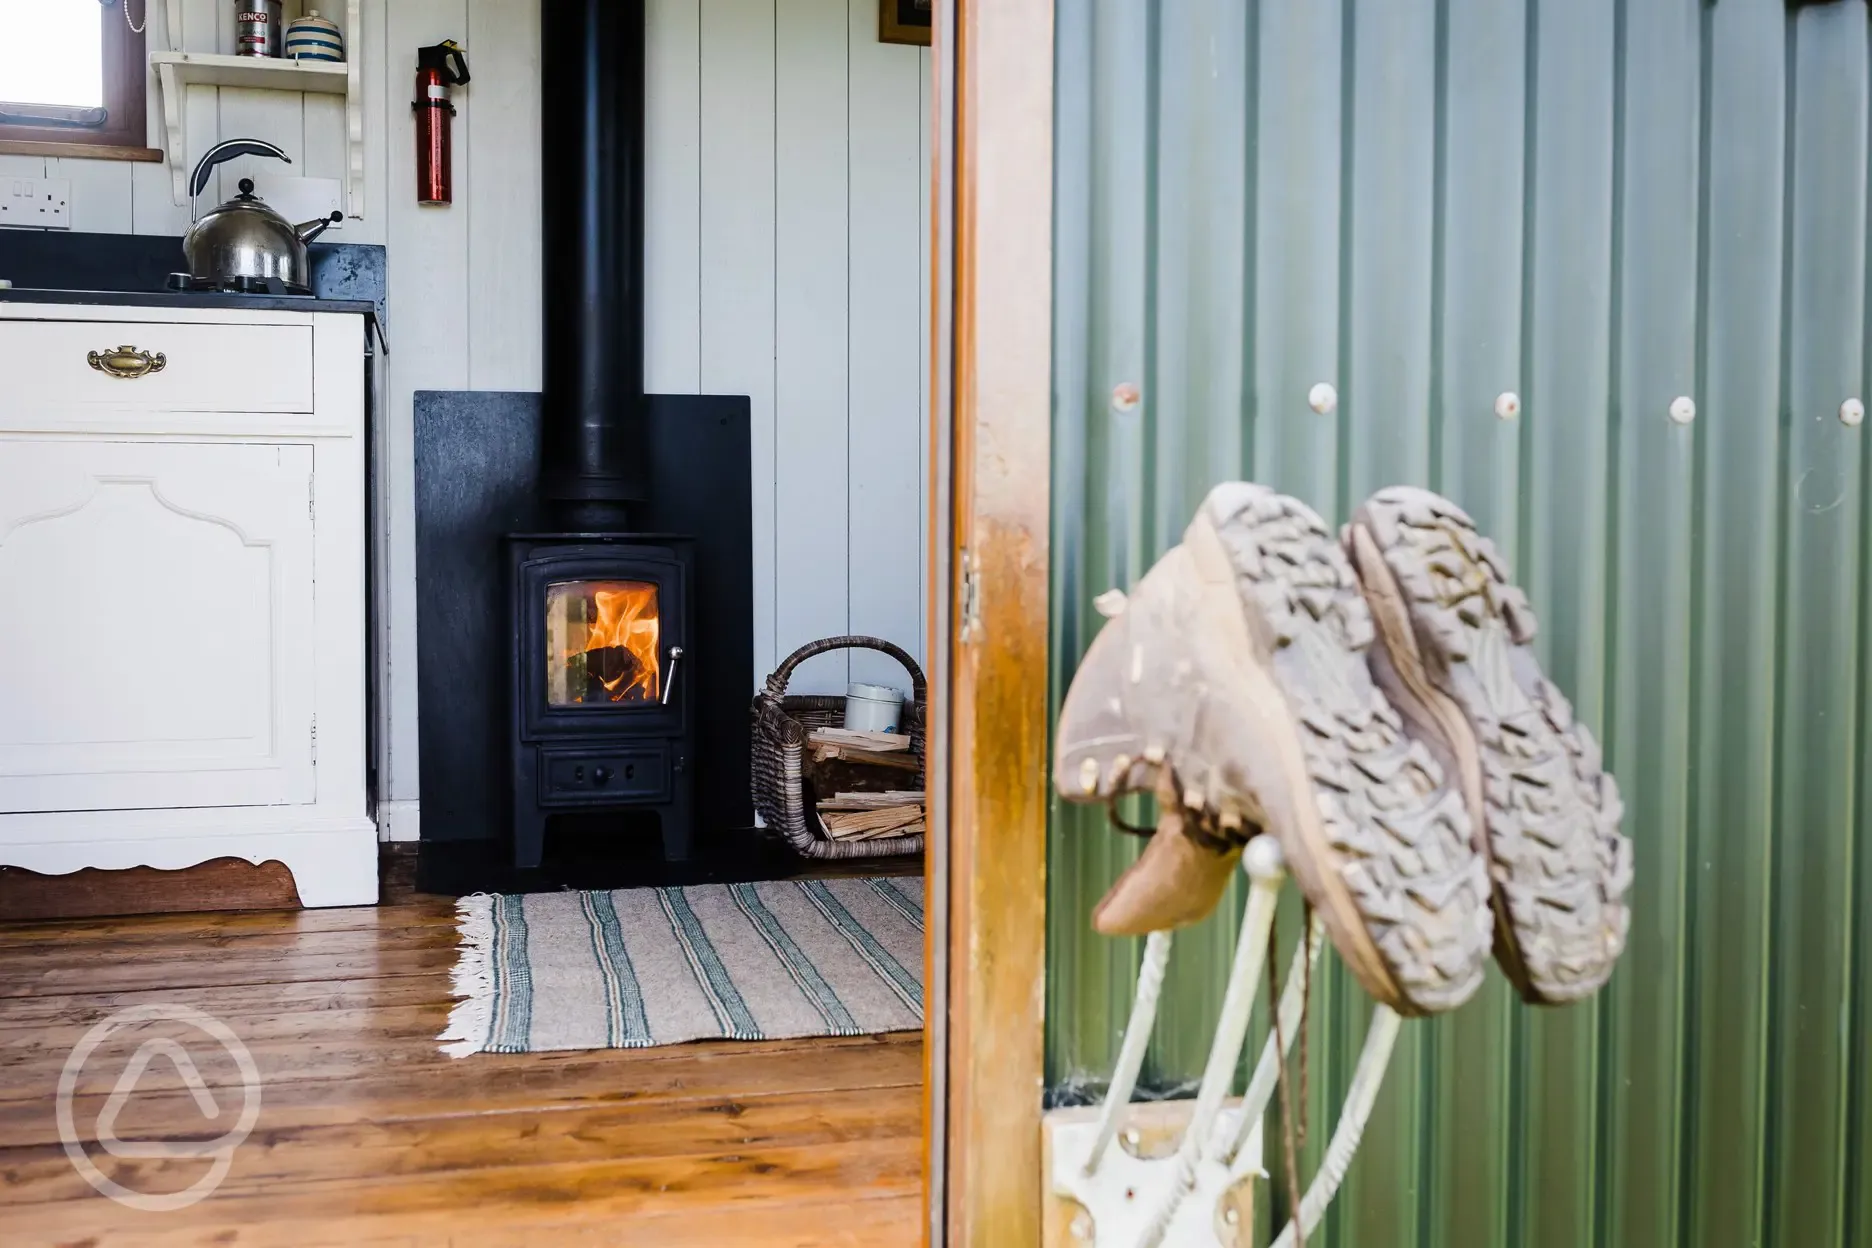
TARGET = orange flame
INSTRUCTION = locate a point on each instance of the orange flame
(627, 620)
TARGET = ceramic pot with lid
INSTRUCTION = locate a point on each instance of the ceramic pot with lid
(244, 238)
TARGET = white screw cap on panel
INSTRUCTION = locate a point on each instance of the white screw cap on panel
(1507, 405)
(1125, 397)
(1322, 398)
(1852, 411)
(1683, 409)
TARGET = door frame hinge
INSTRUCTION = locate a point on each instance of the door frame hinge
(970, 613)
(315, 738)
(311, 499)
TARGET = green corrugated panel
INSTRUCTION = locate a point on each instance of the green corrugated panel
(1597, 206)
(1816, 723)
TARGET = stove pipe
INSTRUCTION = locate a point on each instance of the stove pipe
(592, 111)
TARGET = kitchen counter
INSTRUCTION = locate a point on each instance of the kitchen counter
(176, 300)
(188, 299)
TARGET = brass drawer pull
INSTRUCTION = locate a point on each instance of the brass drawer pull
(128, 362)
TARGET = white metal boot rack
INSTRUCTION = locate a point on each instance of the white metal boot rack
(1180, 1199)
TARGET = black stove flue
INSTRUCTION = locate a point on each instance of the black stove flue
(592, 104)
(604, 642)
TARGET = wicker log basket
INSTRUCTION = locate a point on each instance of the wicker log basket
(782, 724)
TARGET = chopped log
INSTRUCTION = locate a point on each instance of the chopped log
(857, 823)
(852, 754)
(872, 801)
(882, 742)
(886, 834)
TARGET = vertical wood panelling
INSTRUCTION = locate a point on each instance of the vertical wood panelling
(1817, 718)
(812, 278)
(428, 275)
(1733, 701)
(278, 117)
(101, 195)
(673, 197)
(152, 192)
(504, 290)
(1646, 735)
(885, 517)
(737, 280)
(1297, 247)
(376, 59)
(465, 290)
(924, 349)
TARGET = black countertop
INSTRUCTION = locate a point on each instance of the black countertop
(189, 299)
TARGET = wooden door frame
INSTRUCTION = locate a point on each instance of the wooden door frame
(991, 412)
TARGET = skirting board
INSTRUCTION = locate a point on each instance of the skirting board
(399, 821)
(333, 861)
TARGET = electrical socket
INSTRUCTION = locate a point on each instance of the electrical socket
(40, 203)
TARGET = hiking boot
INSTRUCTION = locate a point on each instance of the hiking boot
(1101, 756)
(1454, 656)
(1238, 663)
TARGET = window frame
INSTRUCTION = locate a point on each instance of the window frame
(126, 97)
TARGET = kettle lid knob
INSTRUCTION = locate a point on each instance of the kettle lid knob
(246, 188)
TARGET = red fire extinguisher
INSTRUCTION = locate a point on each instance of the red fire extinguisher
(437, 69)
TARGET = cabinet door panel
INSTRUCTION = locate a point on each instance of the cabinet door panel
(156, 632)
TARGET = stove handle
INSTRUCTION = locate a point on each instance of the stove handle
(669, 684)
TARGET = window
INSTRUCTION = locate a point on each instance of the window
(72, 72)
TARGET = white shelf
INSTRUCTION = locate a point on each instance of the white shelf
(208, 69)
(177, 71)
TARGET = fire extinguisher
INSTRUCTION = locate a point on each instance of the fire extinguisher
(437, 69)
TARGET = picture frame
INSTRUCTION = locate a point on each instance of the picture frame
(904, 21)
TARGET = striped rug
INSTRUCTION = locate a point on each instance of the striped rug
(647, 966)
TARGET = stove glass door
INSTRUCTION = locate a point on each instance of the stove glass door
(603, 643)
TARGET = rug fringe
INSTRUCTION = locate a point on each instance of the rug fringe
(473, 978)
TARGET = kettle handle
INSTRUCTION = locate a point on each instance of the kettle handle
(221, 153)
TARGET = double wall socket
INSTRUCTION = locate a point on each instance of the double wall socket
(42, 203)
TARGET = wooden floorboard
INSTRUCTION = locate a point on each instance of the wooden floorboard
(368, 1135)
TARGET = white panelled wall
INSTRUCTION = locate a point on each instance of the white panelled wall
(786, 229)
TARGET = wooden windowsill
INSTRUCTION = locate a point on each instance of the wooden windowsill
(87, 151)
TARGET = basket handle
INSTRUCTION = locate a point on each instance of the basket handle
(777, 683)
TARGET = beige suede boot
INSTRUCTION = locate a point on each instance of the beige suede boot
(1454, 656)
(1238, 663)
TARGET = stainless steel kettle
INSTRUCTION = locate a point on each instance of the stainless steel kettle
(244, 242)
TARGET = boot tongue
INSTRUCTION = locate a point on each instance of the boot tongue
(1174, 883)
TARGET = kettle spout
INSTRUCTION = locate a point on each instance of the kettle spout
(309, 230)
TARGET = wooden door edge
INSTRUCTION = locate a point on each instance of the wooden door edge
(990, 530)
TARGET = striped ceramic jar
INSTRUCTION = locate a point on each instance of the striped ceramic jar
(314, 38)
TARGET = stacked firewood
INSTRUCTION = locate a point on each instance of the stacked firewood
(868, 816)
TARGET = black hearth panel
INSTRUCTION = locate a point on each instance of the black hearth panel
(477, 482)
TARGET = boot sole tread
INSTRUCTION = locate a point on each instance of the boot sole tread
(1399, 833)
(1560, 864)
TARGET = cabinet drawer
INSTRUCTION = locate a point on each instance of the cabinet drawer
(205, 368)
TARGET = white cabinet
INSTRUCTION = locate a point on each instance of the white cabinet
(181, 596)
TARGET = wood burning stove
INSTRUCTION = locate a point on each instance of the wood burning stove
(602, 717)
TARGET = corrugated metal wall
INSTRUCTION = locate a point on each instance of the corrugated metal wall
(1600, 206)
